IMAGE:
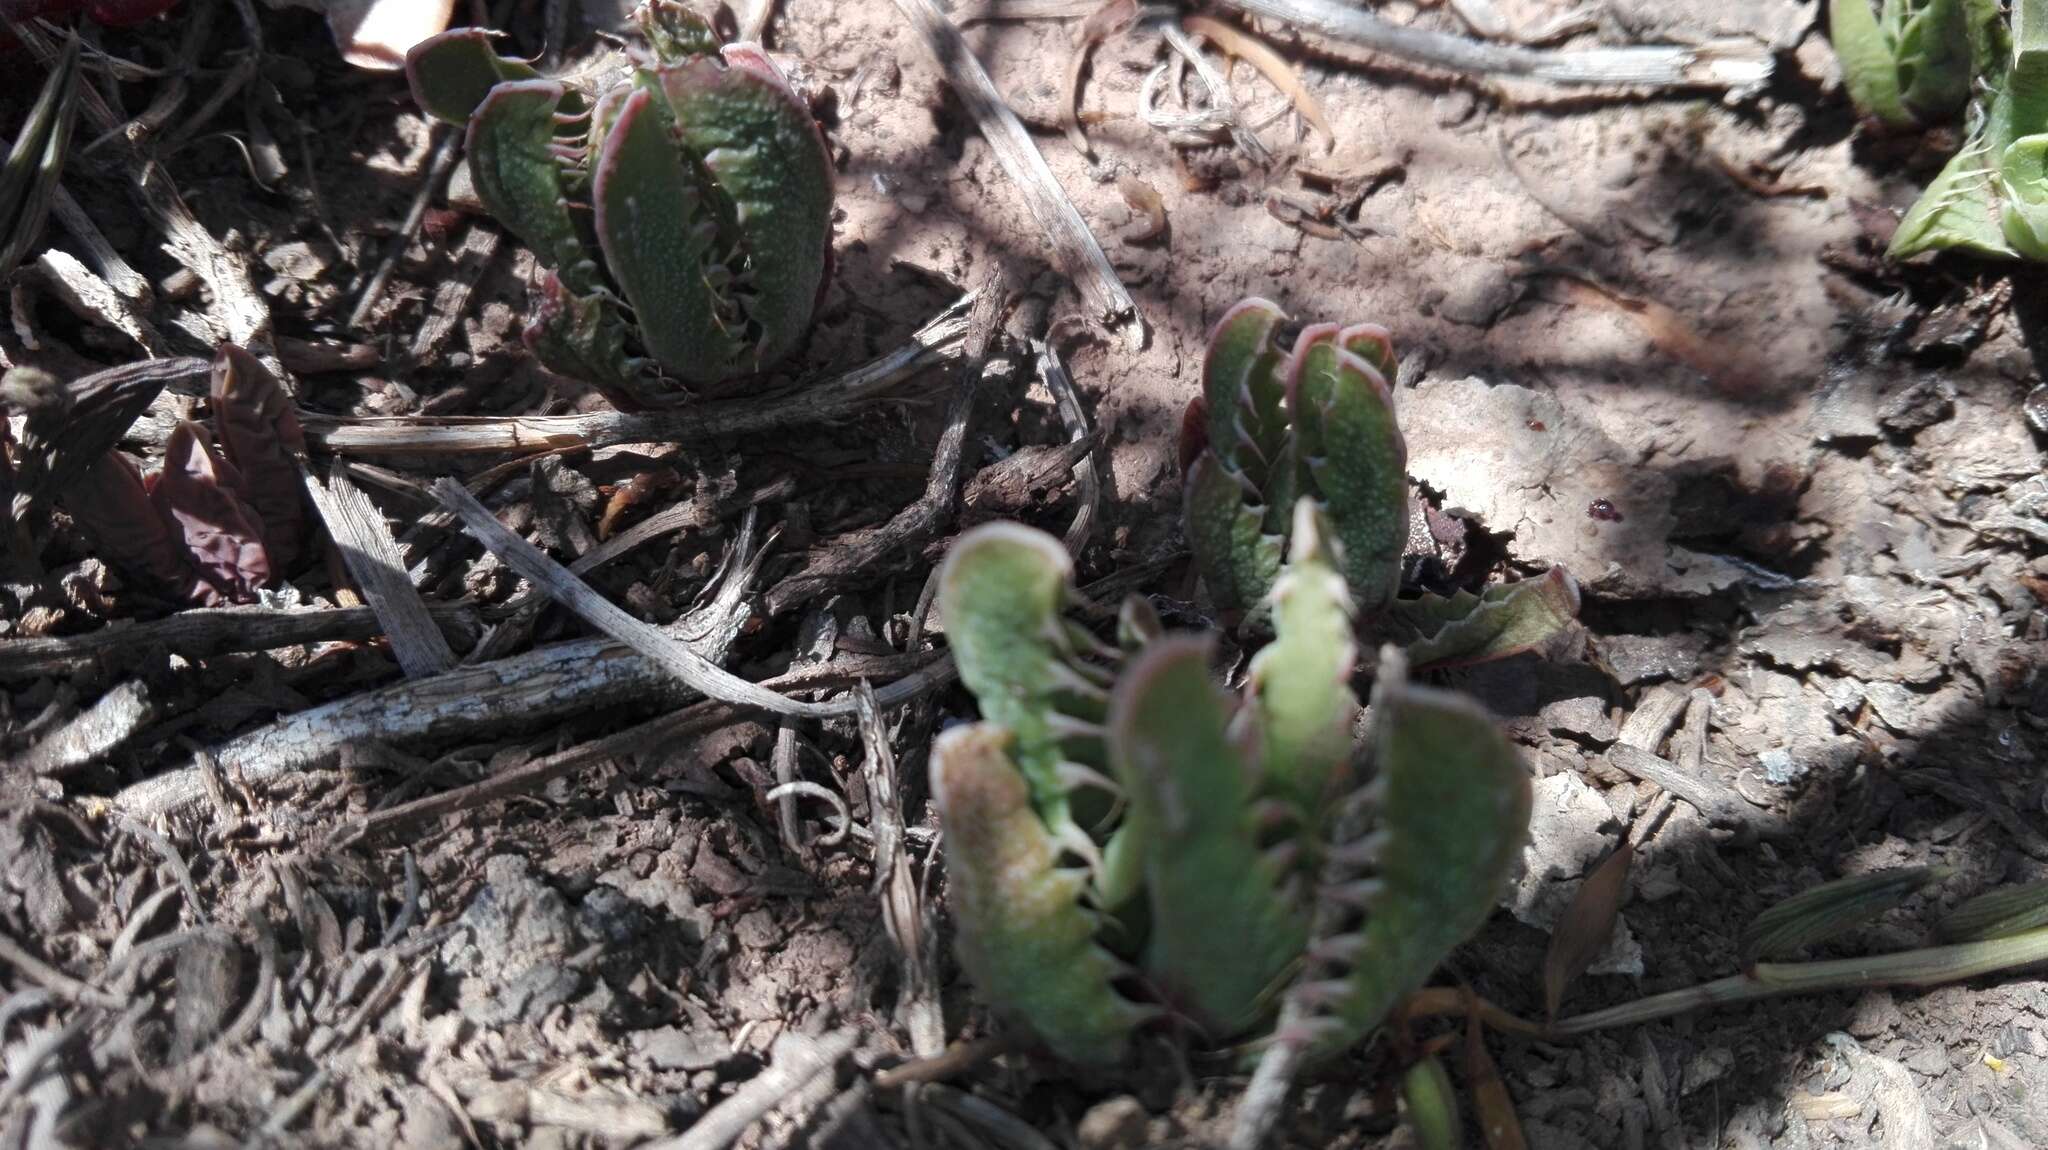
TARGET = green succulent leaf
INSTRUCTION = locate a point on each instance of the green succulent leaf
(685, 211)
(658, 237)
(741, 120)
(1002, 592)
(35, 162)
(1991, 199)
(1247, 421)
(450, 74)
(1831, 909)
(674, 32)
(1998, 913)
(1022, 931)
(1300, 683)
(1507, 619)
(518, 174)
(1237, 556)
(1352, 451)
(581, 337)
(1222, 932)
(1934, 58)
(1453, 802)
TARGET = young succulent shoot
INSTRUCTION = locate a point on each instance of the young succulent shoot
(1247, 893)
(683, 215)
(1317, 420)
(1446, 815)
(1991, 199)
(1912, 61)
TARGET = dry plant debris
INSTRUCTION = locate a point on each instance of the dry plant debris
(392, 846)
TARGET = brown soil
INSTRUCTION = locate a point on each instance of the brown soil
(1826, 513)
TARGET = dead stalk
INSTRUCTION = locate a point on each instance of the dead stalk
(1075, 251)
(1738, 66)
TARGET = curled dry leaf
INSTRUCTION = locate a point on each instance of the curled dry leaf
(637, 489)
(1145, 200)
(260, 435)
(1586, 926)
(195, 496)
(1112, 17)
(1243, 45)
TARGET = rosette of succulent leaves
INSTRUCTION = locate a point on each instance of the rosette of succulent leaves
(1127, 844)
(682, 204)
(1316, 420)
(1910, 64)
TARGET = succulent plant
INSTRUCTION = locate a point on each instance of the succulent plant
(683, 213)
(1912, 61)
(1991, 199)
(210, 526)
(1317, 422)
(1126, 841)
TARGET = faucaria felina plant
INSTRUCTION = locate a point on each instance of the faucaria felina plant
(684, 212)
(1317, 421)
(1126, 842)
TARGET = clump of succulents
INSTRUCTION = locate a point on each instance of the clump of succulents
(1127, 842)
(1316, 420)
(1916, 62)
(683, 212)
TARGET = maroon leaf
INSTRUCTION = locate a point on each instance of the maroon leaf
(1194, 432)
(195, 497)
(259, 433)
(109, 502)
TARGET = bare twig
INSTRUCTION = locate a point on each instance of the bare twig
(1259, 1110)
(52, 979)
(956, 1059)
(579, 597)
(108, 723)
(903, 914)
(1052, 372)
(525, 689)
(796, 1060)
(372, 556)
(1737, 65)
(447, 146)
(662, 731)
(1718, 803)
(1927, 966)
(819, 402)
(783, 792)
(1222, 105)
(200, 632)
(528, 776)
(854, 554)
(785, 774)
(1075, 250)
(131, 284)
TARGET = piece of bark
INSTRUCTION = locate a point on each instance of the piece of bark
(373, 559)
